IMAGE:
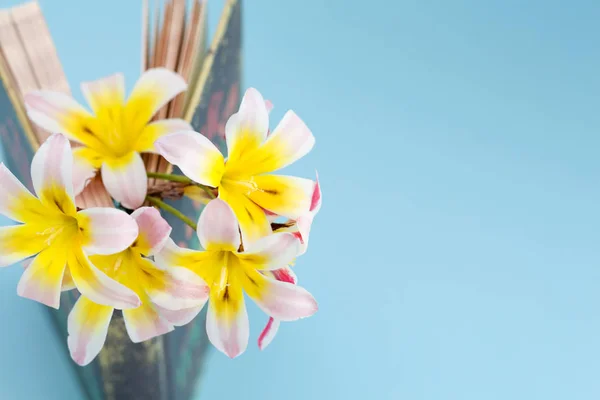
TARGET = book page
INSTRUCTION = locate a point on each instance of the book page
(145, 36)
(168, 55)
(40, 52)
(198, 53)
(14, 51)
(43, 58)
(28, 142)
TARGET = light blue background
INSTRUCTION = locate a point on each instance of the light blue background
(457, 252)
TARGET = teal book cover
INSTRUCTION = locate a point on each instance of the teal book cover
(167, 367)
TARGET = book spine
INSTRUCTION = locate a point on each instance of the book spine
(217, 98)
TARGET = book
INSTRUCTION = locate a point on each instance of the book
(174, 35)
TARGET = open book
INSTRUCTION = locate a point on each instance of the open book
(174, 35)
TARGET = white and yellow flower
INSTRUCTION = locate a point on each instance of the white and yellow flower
(58, 236)
(243, 180)
(301, 229)
(229, 273)
(117, 131)
(170, 296)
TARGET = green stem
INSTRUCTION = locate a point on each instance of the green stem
(207, 189)
(182, 179)
(164, 206)
(170, 177)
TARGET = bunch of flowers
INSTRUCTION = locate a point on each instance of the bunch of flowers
(253, 226)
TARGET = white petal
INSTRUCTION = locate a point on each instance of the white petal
(87, 326)
(51, 168)
(179, 317)
(229, 335)
(154, 230)
(83, 171)
(126, 181)
(196, 156)
(290, 141)
(281, 300)
(42, 280)
(248, 128)
(18, 242)
(97, 286)
(155, 88)
(155, 130)
(177, 288)
(107, 92)
(218, 227)
(272, 252)
(106, 230)
(55, 111)
(269, 106)
(144, 323)
(15, 198)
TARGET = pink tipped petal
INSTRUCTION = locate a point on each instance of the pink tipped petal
(52, 173)
(281, 300)
(155, 88)
(315, 204)
(106, 230)
(284, 274)
(268, 333)
(305, 221)
(97, 286)
(272, 252)
(229, 330)
(15, 197)
(87, 326)
(107, 92)
(178, 288)
(83, 170)
(154, 230)
(42, 280)
(126, 180)
(196, 156)
(155, 130)
(290, 141)
(179, 317)
(288, 196)
(268, 105)
(218, 227)
(54, 111)
(304, 224)
(144, 323)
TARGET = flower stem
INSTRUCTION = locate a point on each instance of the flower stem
(207, 189)
(170, 177)
(164, 206)
(182, 179)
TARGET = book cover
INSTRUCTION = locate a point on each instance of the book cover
(166, 367)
